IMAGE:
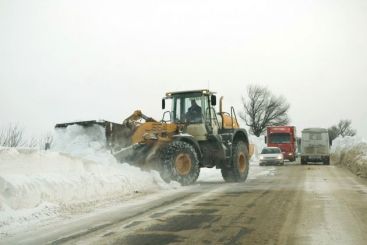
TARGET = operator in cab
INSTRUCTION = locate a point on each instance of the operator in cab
(194, 112)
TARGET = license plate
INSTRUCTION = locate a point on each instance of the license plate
(315, 157)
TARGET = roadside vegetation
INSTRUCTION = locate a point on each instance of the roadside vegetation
(348, 150)
(343, 128)
(351, 153)
(13, 135)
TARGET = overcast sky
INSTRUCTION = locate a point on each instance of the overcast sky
(76, 60)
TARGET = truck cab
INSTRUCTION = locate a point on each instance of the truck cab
(283, 137)
(195, 110)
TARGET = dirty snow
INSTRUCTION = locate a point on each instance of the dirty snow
(214, 175)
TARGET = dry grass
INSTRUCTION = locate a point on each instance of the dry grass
(355, 159)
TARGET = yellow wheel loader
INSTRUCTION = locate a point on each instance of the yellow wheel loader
(191, 135)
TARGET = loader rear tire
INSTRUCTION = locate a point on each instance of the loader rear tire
(180, 163)
(238, 168)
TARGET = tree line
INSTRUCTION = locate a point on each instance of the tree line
(261, 109)
(13, 135)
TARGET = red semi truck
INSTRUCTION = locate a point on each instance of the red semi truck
(283, 137)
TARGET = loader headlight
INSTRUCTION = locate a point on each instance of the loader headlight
(150, 136)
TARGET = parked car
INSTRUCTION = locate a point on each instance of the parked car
(271, 155)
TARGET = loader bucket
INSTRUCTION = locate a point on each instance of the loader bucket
(117, 135)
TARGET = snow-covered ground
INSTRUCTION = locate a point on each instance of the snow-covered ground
(79, 173)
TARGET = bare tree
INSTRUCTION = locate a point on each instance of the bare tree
(343, 128)
(262, 109)
(12, 136)
(46, 141)
(32, 142)
(333, 133)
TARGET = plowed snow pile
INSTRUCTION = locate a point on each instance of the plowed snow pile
(351, 152)
(78, 172)
(259, 143)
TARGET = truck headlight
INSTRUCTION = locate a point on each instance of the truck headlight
(261, 157)
(280, 157)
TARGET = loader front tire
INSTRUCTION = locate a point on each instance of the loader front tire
(238, 167)
(180, 163)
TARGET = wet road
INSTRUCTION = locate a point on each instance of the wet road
(298, 204)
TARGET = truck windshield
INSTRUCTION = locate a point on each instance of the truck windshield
(315, 136)
(280, 138)
(188, 109)
(270, 151)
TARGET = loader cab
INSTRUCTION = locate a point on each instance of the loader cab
(196, 110)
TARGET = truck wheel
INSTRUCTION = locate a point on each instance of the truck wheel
(303, 161)
(327, 161)
(238, 168)
(180, 163)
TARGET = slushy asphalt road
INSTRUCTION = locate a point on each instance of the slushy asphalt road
(298, 204)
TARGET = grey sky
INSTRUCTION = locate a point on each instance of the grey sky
(70, 60)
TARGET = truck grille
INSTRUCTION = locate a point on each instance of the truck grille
(316, 150)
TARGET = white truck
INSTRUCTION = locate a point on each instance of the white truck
(315, 146)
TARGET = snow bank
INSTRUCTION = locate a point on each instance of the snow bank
(259, 143)
(84, 142)
(79, 171)
(350, 152)
(214, 175)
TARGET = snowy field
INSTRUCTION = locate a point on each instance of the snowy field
(78, 174)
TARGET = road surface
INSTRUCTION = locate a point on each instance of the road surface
(298, 204)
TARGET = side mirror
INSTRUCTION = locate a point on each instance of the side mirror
(213, 100)
(163, 104)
